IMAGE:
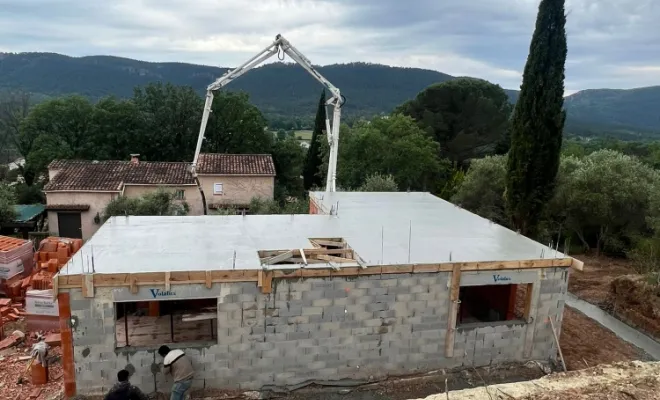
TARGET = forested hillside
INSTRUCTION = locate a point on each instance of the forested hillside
(277, 89)
(287, 95)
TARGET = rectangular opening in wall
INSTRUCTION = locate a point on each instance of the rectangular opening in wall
(325, 251)
(154, 323)
(493, 303)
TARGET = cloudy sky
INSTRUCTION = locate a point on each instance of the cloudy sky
(612, 43)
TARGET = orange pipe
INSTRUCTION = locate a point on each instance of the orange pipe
(64, 307)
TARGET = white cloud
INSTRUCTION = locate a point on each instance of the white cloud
(612, 43)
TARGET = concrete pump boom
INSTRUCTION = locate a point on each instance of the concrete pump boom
(336, 100)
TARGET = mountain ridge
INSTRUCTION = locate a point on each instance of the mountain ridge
(284, 90)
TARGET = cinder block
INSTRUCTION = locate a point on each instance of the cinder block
(362, 331)
(372, 322)
(385, 298)
(377, 291)
(228, 306)
(315, 294)
(418, 289)
(80, 305)
(321, 302)
(409, 281)
(387, 314)
(376, 307)
(297, 335)
(388, 283)
(335, 294)
(396, 290)
(429, 326)
(322, 284)
(301, 319)
(425, 297)
(290, 311)
(312, 311)
(368, 338)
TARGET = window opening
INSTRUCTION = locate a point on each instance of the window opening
(154, 323)
(493, 303)
(218, 188)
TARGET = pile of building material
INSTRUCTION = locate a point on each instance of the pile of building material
(16, 261)
(26, 278)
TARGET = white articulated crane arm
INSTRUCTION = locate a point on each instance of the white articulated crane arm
(336, 100)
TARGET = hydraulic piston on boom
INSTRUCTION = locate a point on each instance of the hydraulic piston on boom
(281, 45)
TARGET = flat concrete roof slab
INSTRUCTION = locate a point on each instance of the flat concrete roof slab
(383, 228)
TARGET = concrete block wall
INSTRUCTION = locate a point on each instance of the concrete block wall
(312, 329)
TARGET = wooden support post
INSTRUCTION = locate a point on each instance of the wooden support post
(528, 301)
(134, 286)
(554, 333)
(533, 301)
(267, 282)
(88, 285)
(511, 306)
(167, 280)
(208, 280)
(56, 286)
(68, 366)
(260, 278)
(453, 310)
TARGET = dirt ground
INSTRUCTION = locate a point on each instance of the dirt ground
(631, 380)
(585, 343)
(15, 378)
(613, 285)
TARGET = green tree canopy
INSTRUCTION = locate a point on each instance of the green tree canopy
(7, 202)
(289, 158)
(379, 183)
(468, 117)
(160, 202)
(605, 198)
(314, 157)
(482, 189)
(392, 145)
(538, 121)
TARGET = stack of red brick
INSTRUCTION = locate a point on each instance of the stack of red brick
(10, 311)
(53, 254)
(38, 269)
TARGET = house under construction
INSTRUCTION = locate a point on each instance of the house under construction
(367, 285)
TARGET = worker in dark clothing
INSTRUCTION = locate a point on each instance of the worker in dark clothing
(179, 365)
(123, 390)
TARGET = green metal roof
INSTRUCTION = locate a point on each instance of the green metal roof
(26, 212)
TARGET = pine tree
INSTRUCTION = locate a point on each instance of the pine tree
(538, 121)
(310, 178)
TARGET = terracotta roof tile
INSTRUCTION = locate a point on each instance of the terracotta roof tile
(112, 175)
(67, 207)
(235, 164)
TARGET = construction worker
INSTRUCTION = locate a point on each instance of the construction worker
(178, 364)
(123, 390)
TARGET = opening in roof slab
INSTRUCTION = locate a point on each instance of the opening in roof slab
(326, 250)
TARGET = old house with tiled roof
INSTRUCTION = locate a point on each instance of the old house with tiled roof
(79, 190)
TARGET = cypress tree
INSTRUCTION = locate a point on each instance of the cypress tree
(310, 179)
(538, 121)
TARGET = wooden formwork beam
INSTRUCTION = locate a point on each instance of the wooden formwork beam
(134, 280)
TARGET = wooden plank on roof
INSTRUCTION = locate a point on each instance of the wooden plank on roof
(278, 258)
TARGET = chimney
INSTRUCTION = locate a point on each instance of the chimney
(135, 159)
